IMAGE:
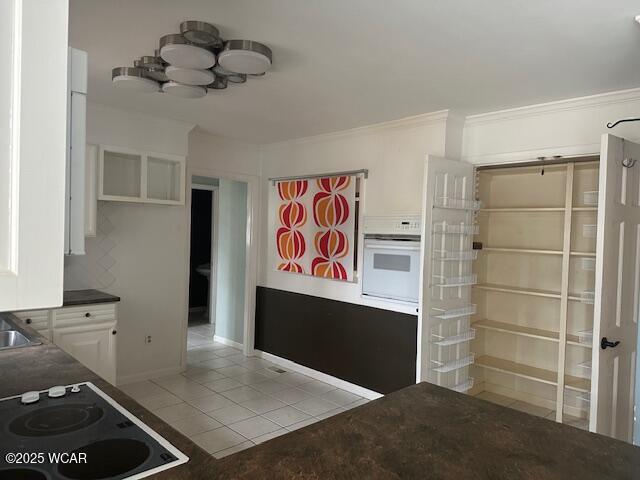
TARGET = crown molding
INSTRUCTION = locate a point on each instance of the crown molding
(530, 155)
(429, 118)
(578, 103)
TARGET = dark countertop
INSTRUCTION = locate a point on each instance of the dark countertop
(87, 297)
(428, 432)
(423, 432)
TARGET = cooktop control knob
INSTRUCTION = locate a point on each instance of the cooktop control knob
(57, 391)
(30, 397)
(75, 389)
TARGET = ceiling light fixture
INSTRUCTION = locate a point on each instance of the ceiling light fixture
(151, 61)
(184, 91)
(231, 76)
(133, 79)
(245, 56)
(189, 76)
(177, 51)
(152, 68)
(200, 33)
(188, 63)
(220, 83)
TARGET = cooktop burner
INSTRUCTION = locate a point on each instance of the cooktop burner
(112, 456)
(55, 420)
(79, 421)
(22, 474)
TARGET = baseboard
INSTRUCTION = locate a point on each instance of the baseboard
(139, 377)
(323, 377)
(226, 341)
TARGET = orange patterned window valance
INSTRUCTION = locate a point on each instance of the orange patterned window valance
(316, 226)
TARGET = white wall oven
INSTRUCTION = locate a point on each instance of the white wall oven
(391, 259)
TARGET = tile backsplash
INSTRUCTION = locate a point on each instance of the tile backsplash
(95, 269)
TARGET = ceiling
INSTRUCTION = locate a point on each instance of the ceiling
(346, 63)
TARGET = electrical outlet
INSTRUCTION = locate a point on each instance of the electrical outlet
(147, 339)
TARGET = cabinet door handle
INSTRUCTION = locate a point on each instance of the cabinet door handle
(113, 332)
(28, 321)
(604, 343)
(87, 314)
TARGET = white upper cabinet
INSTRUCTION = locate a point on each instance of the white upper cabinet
(76, 153)
(127, 175)
(90, 192)
(32, 152)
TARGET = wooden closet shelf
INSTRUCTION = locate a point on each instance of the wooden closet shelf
(517, 290)
(585, 209)
(519, 369)
(577, 384)
(524, 331)
(575, 341)
(523, 209)
(542, 375)
(517, 330)
(521, 250)
(535, 251)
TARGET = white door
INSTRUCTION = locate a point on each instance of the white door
(617, 289)
(32, 151)
(94, 346)
(444, 314)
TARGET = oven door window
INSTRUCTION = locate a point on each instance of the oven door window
(393, 262)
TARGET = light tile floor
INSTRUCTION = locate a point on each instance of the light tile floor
(226, 402)
(200, 335)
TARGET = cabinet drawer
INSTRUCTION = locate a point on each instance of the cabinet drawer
(37, 319)
(84, 314)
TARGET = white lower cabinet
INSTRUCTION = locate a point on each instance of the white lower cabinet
(92, 345)
(86, 332)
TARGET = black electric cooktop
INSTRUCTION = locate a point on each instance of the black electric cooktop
(77, 432)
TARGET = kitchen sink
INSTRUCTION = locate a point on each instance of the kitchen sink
(11, 336)
(13, 339)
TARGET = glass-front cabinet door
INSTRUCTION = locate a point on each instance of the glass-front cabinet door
(127, 175)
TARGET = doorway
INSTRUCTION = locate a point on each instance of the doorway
(203, 253)
(218, 262)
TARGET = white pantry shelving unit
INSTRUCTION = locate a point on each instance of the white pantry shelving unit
(548, 323)
(515, 317)
(535, 292)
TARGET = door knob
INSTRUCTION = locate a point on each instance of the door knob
(604, 343)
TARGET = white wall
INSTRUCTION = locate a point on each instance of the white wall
(568, 127)
(394, 154)
(151, 241)
(230, 274)
(214, 156)
(140, 252)
(222, 156)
